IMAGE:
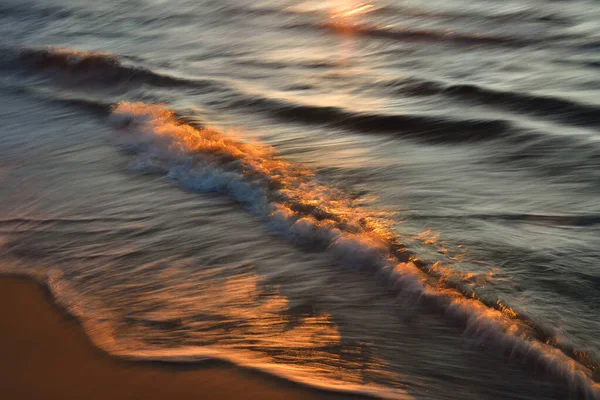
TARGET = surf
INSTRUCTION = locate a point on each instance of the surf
(300, 209)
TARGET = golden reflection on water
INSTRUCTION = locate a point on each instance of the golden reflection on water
(343, 15)
(233, 310)
(293, 190)
(349, 10)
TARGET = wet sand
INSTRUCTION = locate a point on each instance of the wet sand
(45, 354)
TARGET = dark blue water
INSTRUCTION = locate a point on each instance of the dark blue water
(395, 198)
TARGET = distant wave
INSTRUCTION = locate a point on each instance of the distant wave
(59, 221)
(406, 34)
(296, 206)
(559, 220)
(94, 67)
(593, 64)
(37, 10)
(94, 106)
(105, 68)
(559, 108)
(89, 68)
(504, 17)
(102, 68)
(551, 107)
(566, 157)
(535, 149)
(389, 9)
(429, 128)
(591, 46)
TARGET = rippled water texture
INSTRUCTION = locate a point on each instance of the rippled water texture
(394, 198)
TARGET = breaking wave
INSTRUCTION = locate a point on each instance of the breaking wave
(295, 205)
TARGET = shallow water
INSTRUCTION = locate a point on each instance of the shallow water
(392, 198)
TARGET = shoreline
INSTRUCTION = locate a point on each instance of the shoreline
(45, 354)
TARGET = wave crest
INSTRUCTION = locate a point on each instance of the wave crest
(95, 68)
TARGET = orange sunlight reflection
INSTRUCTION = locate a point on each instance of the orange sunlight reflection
(343, 16)
(242, 318)
(348, 10)
(293, 189)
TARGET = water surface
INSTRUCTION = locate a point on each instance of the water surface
(390, 197)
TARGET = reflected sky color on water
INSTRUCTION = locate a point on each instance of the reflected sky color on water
(383, 197)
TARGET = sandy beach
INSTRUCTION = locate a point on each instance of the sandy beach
(44, 354)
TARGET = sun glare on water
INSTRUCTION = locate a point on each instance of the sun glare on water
(349, 10)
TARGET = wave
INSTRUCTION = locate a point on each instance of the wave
(104, 68)
(293, 203)
(555, 220)
(78, 68)
(406, 34)
(38, 11)
(561, 109)
(593, 64)
(95, 67)
(424, 127)
(93, 106)
(533, 15)
(23, 221)
(591, 46)
(567, 157)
